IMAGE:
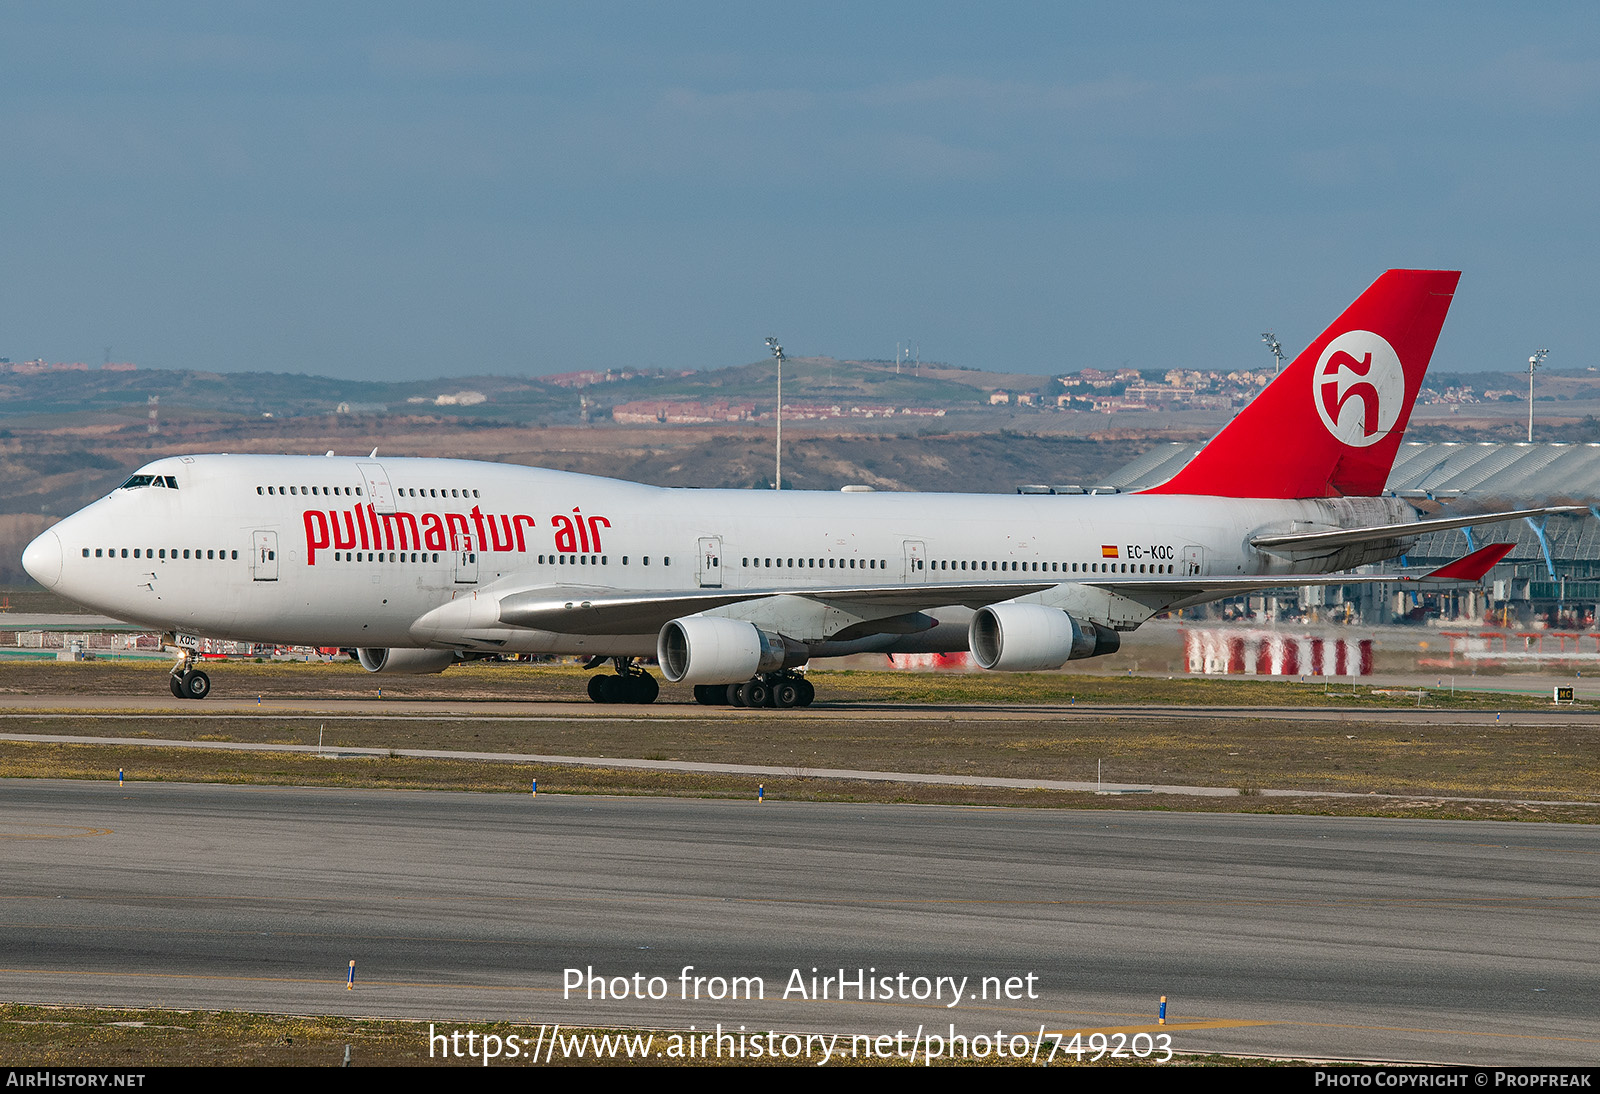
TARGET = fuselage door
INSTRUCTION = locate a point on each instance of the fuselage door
(264, 556)
(916, 561)
(379, 493)
(711, 562)
(466, 560)
(1194, 561)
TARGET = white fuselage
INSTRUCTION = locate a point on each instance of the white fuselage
(354, 552)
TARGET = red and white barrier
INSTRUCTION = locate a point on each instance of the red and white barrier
(1274, 653)
(926, 662)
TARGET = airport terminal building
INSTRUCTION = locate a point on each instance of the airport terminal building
(1552, 574)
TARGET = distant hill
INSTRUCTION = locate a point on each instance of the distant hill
(121, 398)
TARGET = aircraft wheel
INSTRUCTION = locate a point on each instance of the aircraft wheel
(757, 693)
(196, 685)
(786, 694)
(642, 688)
(176, 683)
(736, 695)
(807, 691)
(711, 695)
(600, 689)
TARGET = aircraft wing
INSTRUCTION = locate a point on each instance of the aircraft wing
(580, 610)
(1295, 543)
(572, 609)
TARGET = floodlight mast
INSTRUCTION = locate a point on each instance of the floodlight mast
(1277, 349)
(777, 351)
(1533, 362)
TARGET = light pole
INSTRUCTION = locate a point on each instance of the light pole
(777, 351)
(1277, 350)
(1533, 362)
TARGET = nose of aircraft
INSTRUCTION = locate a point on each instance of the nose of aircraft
(42, 559)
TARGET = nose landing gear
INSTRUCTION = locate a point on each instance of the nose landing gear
(193, 684)
(186, 681)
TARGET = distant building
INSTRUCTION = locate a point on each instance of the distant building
(574, 379)
(662, 412)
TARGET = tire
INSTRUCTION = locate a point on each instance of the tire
(786, 694)
(196, 685)
(642, 688)
(600, 689)
(736, 695)
(176, 683)
(757, 693)
(704, 694)
(807, 691)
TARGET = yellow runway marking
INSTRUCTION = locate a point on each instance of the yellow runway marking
(1170, 1027)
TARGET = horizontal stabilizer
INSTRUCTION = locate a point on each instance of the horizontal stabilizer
(1291, 543)
(1471, 567)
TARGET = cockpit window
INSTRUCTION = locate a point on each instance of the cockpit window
(137, 481)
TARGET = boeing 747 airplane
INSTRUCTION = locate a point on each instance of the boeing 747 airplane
(417, 564)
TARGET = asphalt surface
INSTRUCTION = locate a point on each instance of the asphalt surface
(1404, 711)
(1310, 937)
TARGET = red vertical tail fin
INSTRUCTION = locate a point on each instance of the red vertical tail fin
(1331, 423)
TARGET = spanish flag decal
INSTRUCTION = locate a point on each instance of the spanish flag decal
(1107, 551)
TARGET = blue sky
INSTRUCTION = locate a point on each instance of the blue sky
(402, 190)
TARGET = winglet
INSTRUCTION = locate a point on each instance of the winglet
(1471, 567)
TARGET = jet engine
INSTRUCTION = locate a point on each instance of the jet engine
(1032, 638)
(405, 662)
(703, 649)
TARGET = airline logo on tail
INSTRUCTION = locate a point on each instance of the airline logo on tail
(1359, 387)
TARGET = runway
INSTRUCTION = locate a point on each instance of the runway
(142, 706)
(1301, 936)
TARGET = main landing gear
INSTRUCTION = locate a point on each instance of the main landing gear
(772, 689)
(630, 684)
(188, 682)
